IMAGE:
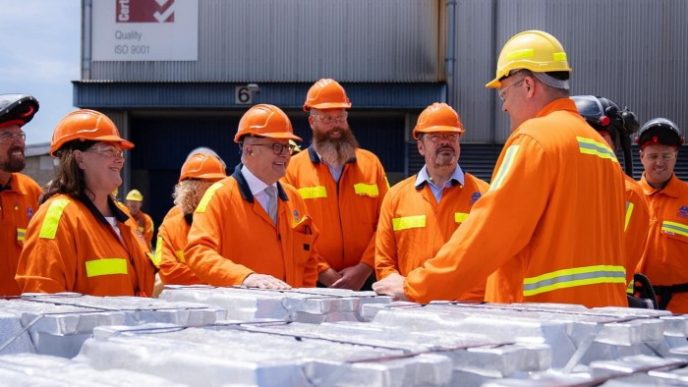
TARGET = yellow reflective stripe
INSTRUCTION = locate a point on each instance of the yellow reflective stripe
(560, 56)
(366, 189)
(21, 234)
(156, 257)
(52, 219)
(180, 256)
(406, 222)
(630, 288)
(207, 196)
(504, 168)
(579, 276)
(316, 192)
(675, 228)
(629, 211)
(521, 54)
(459, 217)
(589, 146)
(106, 266)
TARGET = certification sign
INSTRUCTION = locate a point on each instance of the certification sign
(144, 30)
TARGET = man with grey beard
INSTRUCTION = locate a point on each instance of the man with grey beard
(343, 187)
(18, 193)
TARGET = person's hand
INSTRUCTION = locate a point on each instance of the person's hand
(392, 285)
(264, 281)
(353, 277)
(328, 277)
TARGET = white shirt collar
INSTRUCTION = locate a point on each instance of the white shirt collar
(254, 184)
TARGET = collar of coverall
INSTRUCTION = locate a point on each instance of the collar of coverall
(246, 190)
(315, 159)
(120, 215)
(10, 185)
(672, 188)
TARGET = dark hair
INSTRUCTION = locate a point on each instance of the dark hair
(69, 179)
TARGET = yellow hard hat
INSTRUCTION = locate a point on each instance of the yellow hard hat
(135, 196)
(532, 50)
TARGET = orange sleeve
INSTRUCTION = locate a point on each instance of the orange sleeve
(148, 231)
(368, 256)
(386, 259)
(637, 231)
(500, 225)
(172, 271)
(204, 241)
(44, 262)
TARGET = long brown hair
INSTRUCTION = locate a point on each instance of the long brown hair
(69, 179)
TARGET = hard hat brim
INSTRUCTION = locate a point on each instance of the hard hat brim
(494, 84)
(438, 129)
(212, 177)
(275, 135)
(328, 105)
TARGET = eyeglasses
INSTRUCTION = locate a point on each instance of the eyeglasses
(277, 148)
(329, 120)
(660, 156)
(502, 93)
(110, 153)
(437, 137)
(7, 136)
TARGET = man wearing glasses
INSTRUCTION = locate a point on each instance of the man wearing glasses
(18, 193)
(665, 258)
(343, 186)
(550, 227)
(420, 214)
(249, 229)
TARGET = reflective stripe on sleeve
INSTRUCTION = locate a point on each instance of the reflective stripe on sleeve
(569, 278)
(366, 190)
(629, 212)
(460, 217)
(589, 146)
(180, 256)
(207, 196)
(316, 192)
(407, 222)
(675, 228)
(504, 168)
(106, 266)
(21, 234)
(52, 219)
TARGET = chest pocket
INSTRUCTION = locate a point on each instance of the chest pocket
(302, 239)
(370, 190)
(675, 230)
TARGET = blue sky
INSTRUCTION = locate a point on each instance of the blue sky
(39, 55)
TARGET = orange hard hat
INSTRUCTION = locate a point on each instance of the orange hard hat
(86, 125)
(265, 121)
(438, 117)
(203, 166)
(326, 94)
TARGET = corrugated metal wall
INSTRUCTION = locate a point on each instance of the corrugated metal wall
(632, 51)
(303, 40)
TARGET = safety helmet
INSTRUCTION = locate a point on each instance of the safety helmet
(17, 109)
(660, 131)
(265, 121)
(604, 114)
(438, 117)
(203, 166)
(326, 94)
(86, 125)
(134, 195)
(532, 50)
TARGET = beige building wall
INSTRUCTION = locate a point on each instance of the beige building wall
(39, 164)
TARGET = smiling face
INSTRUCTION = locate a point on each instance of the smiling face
(265, 159)
(12, 149)
(102, 165)
(658, 161)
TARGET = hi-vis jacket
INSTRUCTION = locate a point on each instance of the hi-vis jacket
(345, 212)
(145, 226)
(70, 247)
(550, 227)
(18, 203)
(232, 236)
(169, 252)
(666, 258)
(636, 226)
(413, 226)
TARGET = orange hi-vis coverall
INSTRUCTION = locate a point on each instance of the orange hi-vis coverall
(636, 226)
(18, 203)
(345, 212)
(550, 227)
(232, 236)
(413, 226)
(666, 258)
(145, 227)
(169, 253)
(71, 247)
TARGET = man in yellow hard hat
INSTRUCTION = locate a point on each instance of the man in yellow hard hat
(550, 227)
(134, 201)
(343, 186)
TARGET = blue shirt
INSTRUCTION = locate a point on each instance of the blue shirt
(457, 177)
